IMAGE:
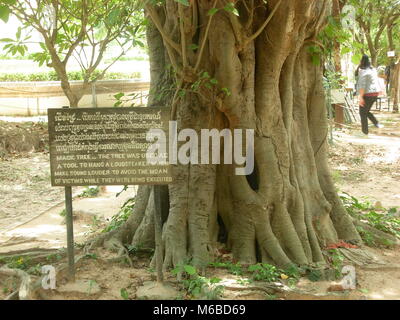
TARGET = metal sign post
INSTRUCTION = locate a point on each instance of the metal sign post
(158, 232)
(106, 146)
(70, 233)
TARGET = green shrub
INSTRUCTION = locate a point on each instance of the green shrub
(118, 219)
(72, 76)
(387, 220)
(264, 272)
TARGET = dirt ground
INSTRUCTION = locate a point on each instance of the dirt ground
(365, 168)
(369, 168)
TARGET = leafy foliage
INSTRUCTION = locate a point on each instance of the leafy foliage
(233, 268)
(387, 220)
(198, 286)
(336, 259)
(90, 192)
(264, 272)
(72, 75)
(82, 30)
(118, 219)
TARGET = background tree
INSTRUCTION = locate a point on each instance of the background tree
(243, 65)
(81, 30)
(374, 17)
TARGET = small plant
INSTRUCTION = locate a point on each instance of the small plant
(63, 213)
(91, 283)
(91, 256)
(387, 221)
(124, 294)
(264, 272)
(118, 219)
(19, 263)
(336, 259)
(293, 271)
(53, 257)
(233, 268)
(243, 282)
(90, 192)
(314, 275)
(198, 286)
(270, 296)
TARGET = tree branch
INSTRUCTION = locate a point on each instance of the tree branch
(264, 25)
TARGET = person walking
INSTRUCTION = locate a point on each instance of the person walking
(368, 89)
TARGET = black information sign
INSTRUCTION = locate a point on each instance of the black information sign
(105, 146)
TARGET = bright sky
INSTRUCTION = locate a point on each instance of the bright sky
(9, 29)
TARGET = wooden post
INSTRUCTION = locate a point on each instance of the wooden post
(158, 232)
(339, 116)
(69, 219)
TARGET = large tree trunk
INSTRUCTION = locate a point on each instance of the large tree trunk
(288, 210)
(395, 86)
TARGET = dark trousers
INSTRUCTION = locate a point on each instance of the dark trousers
(365, 113)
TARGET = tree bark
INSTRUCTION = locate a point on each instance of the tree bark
(288, 210)
(395, 86)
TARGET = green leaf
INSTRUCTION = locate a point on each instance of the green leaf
(113, 16)
(356, 58)
(4, 13)
(182, 93)
(226, 91)
(205, 75)
(255, 267)
(215, 280)
(21, 50)
(190, 270)
(214, 81)
(230, 7)
(212, 11)
(314, 275)
(184, 2)
(193, 46)
(119, 95)
(345, 50)
(18, 34)
(124, 294)
(6, 40)
(316, 60)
